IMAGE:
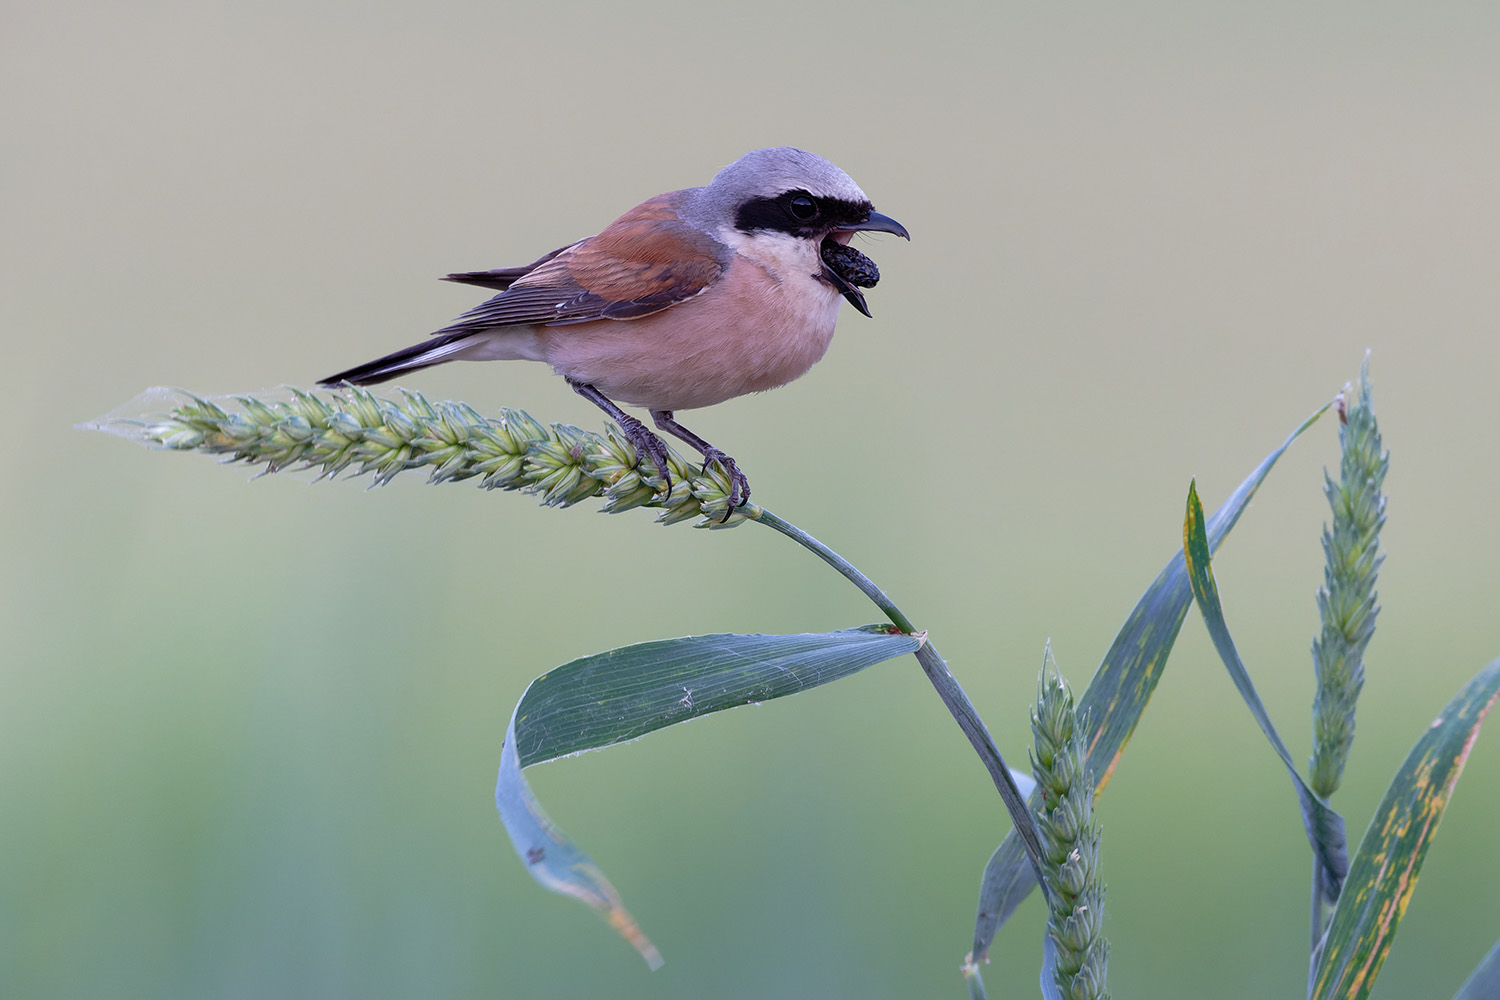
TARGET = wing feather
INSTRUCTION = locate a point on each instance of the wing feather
(645, 261)
(501, 278)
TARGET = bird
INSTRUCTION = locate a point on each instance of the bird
(691, 298)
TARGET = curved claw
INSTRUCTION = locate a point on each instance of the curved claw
(647, 444)
(739, 486)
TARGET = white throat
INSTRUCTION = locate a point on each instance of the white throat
(785, 258)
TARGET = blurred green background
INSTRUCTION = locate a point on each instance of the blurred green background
(249, 731)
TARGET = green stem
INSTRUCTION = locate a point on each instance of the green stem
(942, 679)
(849, 571)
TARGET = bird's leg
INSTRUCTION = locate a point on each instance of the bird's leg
(739, 486)
(645, 442)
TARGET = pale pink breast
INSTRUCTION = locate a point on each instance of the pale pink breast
(747, 333)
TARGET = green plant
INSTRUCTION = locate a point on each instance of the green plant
(1075, 951)
(622, 694)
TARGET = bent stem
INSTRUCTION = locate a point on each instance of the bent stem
(356, 431)
(942, 679)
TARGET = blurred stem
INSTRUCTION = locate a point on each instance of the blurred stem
(1315, 917)
(942, 679)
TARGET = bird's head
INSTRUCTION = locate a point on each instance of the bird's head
(784, 192)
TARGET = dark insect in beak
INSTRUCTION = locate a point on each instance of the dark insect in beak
(848, 270)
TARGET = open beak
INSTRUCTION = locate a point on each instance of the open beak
(877, 223)
(854, 295)
(847, 274)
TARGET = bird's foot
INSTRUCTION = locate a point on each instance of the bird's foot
(739, 486)
(647, 444)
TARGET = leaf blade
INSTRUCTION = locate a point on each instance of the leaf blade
(623, 694)
(1384, 872)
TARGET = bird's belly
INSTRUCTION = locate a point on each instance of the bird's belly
(739, 337)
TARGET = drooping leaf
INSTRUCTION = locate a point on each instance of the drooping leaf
(621, 695)
(1385, 869)
(1324, 826)
(1118, 693)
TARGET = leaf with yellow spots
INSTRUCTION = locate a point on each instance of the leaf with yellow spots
(1383, 873)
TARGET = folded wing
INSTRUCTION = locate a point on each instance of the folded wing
(644, 262)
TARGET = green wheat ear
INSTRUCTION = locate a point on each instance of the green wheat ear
(1070, 840)
(353, 430)
(1347, 599)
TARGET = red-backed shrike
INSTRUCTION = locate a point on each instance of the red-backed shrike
(688, 299)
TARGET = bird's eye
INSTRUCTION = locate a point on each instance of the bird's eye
(803, 208)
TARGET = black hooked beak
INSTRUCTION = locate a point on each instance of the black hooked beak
(876, 223)
(852, 267)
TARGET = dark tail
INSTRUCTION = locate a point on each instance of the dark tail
(433, 351)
